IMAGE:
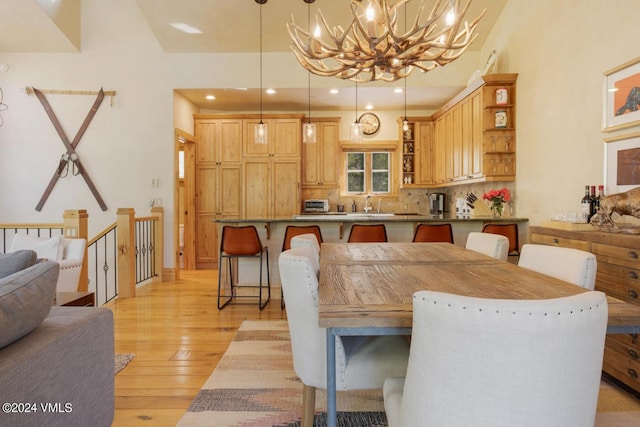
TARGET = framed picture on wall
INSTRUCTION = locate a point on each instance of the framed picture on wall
(621, 96)
(622, 163)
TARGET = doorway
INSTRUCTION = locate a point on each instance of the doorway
(184, 207)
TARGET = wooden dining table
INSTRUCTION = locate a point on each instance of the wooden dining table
(367, 289)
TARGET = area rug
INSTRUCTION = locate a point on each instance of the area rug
(255, 385)
(122, 360)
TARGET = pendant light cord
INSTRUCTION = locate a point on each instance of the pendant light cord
(261, 63)
(309, 72)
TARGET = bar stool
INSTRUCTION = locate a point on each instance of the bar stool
(510, 231)
(290, 232)
(242, 242)
(433, 233)
(370, 233)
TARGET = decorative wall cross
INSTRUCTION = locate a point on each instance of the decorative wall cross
(70, 156)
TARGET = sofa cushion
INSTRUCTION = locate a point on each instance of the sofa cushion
(15, 261)
(25, 300)
(47, 248)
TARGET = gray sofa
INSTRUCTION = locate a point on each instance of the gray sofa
(56, 363)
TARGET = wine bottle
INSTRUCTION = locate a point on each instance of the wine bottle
(593, 201)
(599, 196)
(585, 204)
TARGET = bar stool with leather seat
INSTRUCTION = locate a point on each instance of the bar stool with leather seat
(292, 231)
(510, 231)
(369, 233)
(433, 233)
(242, 242)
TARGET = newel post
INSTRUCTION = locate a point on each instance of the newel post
(158, 250)
(75, 226)
(126, 254)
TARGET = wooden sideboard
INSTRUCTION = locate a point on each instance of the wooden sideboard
(618, 276)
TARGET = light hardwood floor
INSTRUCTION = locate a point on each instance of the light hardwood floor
(178, 336)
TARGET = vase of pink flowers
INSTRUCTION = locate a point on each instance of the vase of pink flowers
(497, 199)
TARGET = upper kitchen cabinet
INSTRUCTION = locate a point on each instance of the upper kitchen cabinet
(417, 152)
(284, 136)
(320, 159)
(475, 133)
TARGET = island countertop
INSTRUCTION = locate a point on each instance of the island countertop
(368, 217)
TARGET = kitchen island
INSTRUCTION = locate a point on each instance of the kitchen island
(335, 228)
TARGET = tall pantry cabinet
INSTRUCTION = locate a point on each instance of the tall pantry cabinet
(272, 170)
(218, 182)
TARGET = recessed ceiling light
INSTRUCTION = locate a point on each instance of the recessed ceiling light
(185, 28)
(271, 91)
(613, 89)
(369, 106)
(210, 97)
(398, 90)
(334, 91)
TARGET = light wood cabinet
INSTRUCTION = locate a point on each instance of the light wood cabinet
(218, 182)
(618, 275)
(272, 188)
(320, 160)
(272, 171)
(471, 145)
(416, 159)
(284, 136)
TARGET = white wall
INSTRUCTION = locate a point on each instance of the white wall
(560, 50)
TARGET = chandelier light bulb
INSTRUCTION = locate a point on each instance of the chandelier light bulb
(451, 17)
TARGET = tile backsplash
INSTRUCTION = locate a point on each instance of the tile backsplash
(413, 200)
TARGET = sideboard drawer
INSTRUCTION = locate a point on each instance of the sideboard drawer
(619, 281)
(545, 239)
(619, 255)
(622, 362)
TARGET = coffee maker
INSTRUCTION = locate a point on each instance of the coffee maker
(437, 203)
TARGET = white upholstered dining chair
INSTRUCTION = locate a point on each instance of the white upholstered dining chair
(493, 245)
(362, 362)
(501, 363)
(568, 264)
(310, 240)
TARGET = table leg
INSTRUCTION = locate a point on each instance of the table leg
(331, 379)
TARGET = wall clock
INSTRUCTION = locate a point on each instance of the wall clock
(370, 123)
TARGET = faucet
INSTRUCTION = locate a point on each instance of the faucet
(367, 208)
(379, 204)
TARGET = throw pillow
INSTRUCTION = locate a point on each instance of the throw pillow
(16, 261)
(25, 300)
(46, 248)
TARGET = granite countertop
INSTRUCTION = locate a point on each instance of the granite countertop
(378, 217)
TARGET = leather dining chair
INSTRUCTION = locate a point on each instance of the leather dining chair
(367, 233)
(290, 233)
(509, 230)
(523, 363)
(568, 264)
(493, 245)
(241, 242)
(364, 361)
(433, 233)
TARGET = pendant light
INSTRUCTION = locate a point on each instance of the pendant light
(309, 129)
(356, 127)
(260, 132)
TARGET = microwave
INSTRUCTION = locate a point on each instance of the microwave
(316, 206)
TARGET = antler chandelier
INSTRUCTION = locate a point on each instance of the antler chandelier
(372, 48)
